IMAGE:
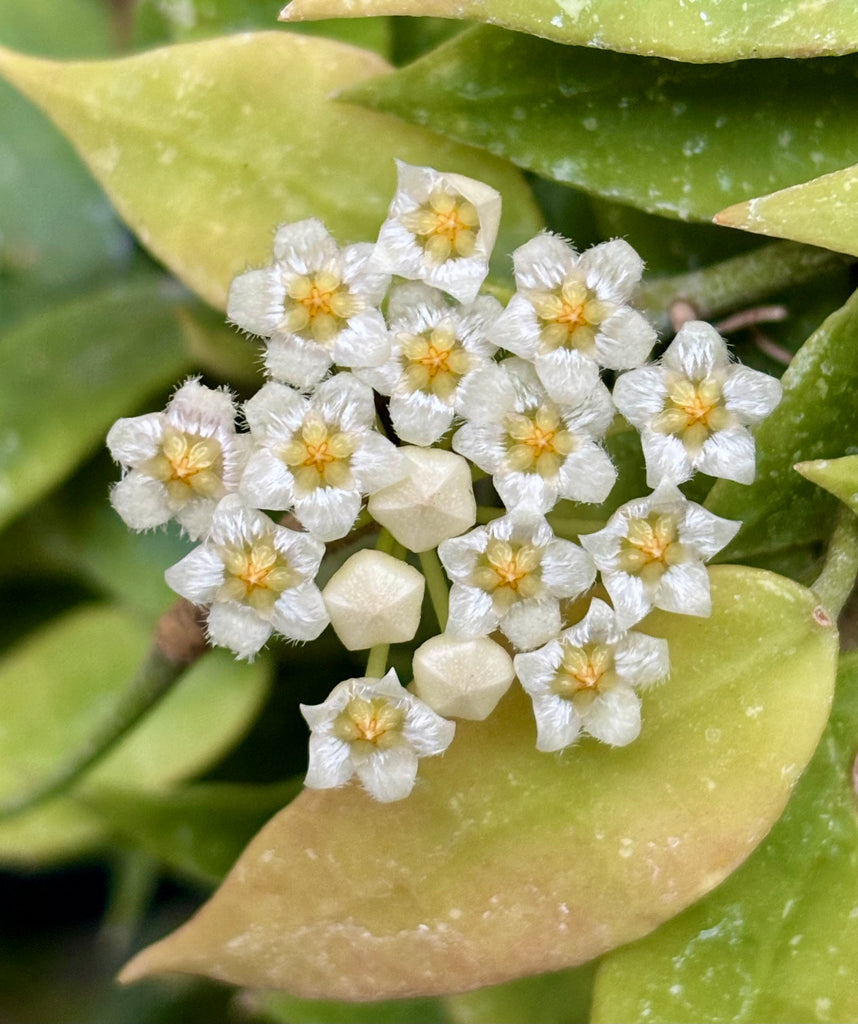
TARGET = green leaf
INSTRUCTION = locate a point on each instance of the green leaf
(504, 861)
(197, 830)
(817, 418)
(562, 998)
(252, 139)
(728, 30)
(821, 212)
(74, 533)
(156, 20)
(279, 1007)
(56, 685)
(69, 372)
(678, 139)
(839, 476)
(779, 940)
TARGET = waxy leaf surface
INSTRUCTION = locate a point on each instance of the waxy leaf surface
(69, 372)
(58, 685)
(779, 940)
(839, 476)
(816, 419)
(718, 31)
(678, 139)
(505, 861)
(205, 147)
(822, 211)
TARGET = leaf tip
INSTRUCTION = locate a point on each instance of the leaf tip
(735, 216)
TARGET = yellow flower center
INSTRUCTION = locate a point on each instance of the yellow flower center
(318, 305)
(693, 410)
(570, 316)
(537, 442)
(509, 571)
(188, 465)
(434, 362)
(375, 722)
(256, 574)
(445, 225)
(651, 546)
(319, 455)
(584, 672)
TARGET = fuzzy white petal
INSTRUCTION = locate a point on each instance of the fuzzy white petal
(134, 439)
(267, 482)
(729, 454)
(685, 589)
(625, 339)
(640, 394)
(543, 262)
(364, 342)
(613, 269)
(696, 351)
(419, 418)
(567, 570)
(141, 501)
(751, 395)
(377, 463)
(328, 512)
(387, 775)
(330, 761)
(667, 459)
(642, 660)
(300, 613)
(197, 576)
(587, 474)
(614, 717)
(255, 301)
(558, 724)
(294, 360)
(471, 612)
(275, 406)
(237, 627)
(531, 623)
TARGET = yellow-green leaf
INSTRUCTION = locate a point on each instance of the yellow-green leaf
(839, 476)
(504, 861)
(778, 941)
(823, 211)
(58, 684)
(720, 31)
(816, 418)
(205, 147)
(70, 371)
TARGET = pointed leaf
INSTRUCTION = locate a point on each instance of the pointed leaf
(823, 211)
(57, 685)
(817, 418)
(505, 861)
(679, 139)
(779, 940)
(728, 30)
(251, 139)
(839, 476)
(69, 372)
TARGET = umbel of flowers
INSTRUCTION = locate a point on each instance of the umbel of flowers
(393, 384)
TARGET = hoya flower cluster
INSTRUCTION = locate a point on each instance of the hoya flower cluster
(393, 384)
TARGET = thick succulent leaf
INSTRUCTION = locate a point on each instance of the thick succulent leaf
(252, 139)
(280, 1008)
(58, 684)
(56, 227)
(679, 139)
(546, 999)
(729, 30)
(779, 940)
(162, 22)
(822, 211)
(839, 476)
(69, 372)
(817, 418)
(506, 862)
(197, 830)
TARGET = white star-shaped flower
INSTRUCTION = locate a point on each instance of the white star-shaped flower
(585, 680)
(441, 229)
(535, 449)
(569, 308)
(435, 350)
(694, 406)
(377, 730)
(511, 575)
(651, 554)
(315, 305)
(255, 577)
(179, 463)
(318, 455)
